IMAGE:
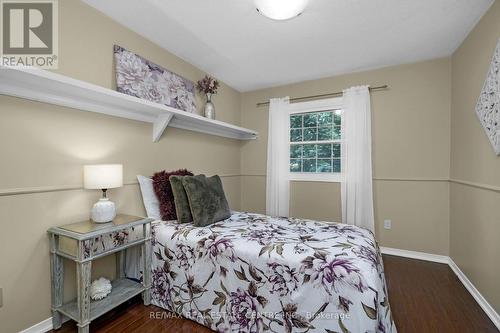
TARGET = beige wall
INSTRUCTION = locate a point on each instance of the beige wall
(411, 144)
(43, 147)
(475, 217)
(303, 207)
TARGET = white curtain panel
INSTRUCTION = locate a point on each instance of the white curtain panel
(357, 189)
(278, 152)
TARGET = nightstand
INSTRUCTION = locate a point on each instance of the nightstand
(86, 241)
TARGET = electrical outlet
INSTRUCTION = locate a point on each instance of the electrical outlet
(387, 224)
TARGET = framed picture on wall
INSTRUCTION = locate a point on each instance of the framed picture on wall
(488, 104)
(139, 77)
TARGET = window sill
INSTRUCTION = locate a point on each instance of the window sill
(315, 177)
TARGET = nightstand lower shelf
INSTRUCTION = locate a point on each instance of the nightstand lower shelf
(95, 241)
(123, 290)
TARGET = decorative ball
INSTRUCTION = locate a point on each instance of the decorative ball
(100, 288)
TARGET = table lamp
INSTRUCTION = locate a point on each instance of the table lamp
(103, 177)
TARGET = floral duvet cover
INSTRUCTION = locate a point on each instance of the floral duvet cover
(255, 273)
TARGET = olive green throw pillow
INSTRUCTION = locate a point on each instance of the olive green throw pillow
(207, 199)
(181, 201)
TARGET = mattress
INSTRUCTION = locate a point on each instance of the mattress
(254, 273)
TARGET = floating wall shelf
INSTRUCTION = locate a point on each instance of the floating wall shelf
(44, 86)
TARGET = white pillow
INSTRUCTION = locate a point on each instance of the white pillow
(149, 198)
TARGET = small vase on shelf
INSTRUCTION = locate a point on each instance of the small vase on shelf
(208, 85)
(209, 111)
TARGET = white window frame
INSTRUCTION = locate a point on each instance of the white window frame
(314, 106)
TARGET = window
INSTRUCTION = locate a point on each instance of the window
(315, 141)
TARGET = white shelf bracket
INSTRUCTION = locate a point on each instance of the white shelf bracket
(56, 89)
(160, 125)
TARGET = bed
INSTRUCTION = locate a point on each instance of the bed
(254, 273)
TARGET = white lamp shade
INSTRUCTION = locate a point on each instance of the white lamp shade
(281, 9)
(102, 176)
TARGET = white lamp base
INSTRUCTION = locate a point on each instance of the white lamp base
(104, 211)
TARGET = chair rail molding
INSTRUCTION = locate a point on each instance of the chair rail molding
(70, 187)
(486, 187)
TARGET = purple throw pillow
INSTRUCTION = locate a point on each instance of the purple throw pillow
(163, 190)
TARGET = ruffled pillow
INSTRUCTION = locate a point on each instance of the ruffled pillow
(163, 190)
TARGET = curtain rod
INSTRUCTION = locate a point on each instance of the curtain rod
(335, 94)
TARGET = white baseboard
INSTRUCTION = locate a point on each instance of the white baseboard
(415, 255)
(41, 327)
(483, 303)
(46, 325)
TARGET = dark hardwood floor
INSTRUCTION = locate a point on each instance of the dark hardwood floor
(425, 298)
(428, 297)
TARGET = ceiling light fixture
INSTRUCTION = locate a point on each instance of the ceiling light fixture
(281, 9)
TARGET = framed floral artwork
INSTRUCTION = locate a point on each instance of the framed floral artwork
(488, 104)
(141, 78)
